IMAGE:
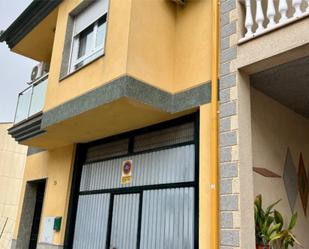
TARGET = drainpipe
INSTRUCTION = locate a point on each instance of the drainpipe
(214, 128)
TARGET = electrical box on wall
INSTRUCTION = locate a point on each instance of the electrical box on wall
(48, 232)
(57, 224)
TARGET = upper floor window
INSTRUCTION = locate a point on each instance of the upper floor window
(89, 34)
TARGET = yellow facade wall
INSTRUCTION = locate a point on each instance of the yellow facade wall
(12, 163)
(204, 181)
(170, 45)
(112, 65)
(193, 45)
(55, 166)
(152, 42)
(157, 42)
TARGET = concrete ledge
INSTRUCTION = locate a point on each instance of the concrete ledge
(132, 88)
(28, 128)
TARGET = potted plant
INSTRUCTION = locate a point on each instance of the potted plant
(285, 237)
(266, 230)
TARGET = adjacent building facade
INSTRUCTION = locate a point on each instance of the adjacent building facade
(12, 163)
(263, 115)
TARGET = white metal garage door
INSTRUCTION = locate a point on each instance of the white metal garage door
(157, 208)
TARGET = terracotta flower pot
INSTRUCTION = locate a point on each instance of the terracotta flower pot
(262, 247)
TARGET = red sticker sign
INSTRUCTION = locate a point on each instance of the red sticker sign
(126, 176)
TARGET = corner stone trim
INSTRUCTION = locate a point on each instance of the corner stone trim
(130, 87)
(230, 236)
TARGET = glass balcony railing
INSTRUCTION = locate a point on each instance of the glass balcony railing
(31, 100)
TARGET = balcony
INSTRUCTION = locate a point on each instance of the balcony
(28, 116)
(31, 100)
(264, 16)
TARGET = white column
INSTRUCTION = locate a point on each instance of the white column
(283, 8)
(296, 5)
(259, 18)
(249, 19)
(271, 12)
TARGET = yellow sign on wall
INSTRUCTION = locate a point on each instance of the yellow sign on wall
(126, 176)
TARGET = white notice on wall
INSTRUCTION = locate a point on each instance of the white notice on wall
(48, 230)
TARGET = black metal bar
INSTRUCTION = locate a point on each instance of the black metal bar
(109, 222)
(137, 189)
(139, 224)
(131, 145)
(197, 179)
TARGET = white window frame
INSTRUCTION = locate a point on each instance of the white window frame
(95, 51)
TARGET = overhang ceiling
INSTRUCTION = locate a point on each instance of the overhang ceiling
(287, 83)
(107, 120)
(38, 43)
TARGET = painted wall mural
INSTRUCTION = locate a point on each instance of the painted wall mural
(296, 182)
(290, 179)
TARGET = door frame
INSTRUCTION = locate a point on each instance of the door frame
(80, 158)
(28, 208)
(38, 184)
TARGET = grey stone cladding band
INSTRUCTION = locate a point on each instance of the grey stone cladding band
(33, 150)
(132, 88)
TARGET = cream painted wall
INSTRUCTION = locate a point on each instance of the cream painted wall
(12, 163)
(274, 129)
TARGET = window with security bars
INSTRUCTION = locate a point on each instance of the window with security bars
(166, 137)
(175, 135)
(107, 150)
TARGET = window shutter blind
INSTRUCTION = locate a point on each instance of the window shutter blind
(92, 13)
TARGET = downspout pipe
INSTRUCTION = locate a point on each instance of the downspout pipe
(214, 187)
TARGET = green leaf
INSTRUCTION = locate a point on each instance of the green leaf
(273, 229)
(293, 221)
(270, 208)
(275, 236)
(278, 219)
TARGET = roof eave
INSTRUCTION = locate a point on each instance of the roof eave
(27, 20)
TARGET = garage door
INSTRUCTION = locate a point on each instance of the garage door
(139, 191)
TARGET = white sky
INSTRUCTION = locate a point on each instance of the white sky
(14, 69)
